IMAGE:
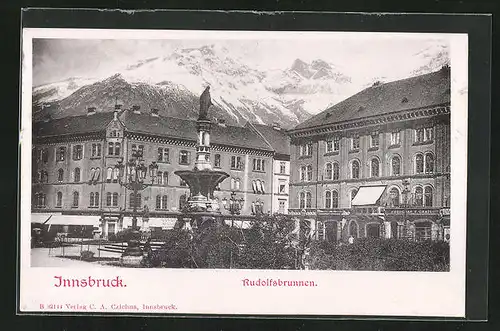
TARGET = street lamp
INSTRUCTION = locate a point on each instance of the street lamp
(405, 193)
(135, 181)
(233, 205)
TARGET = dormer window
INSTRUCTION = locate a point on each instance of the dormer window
(405, 100)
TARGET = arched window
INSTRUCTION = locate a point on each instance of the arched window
(158, 202)
(335, 199)
(237, 184)
(394, 197)
(303, 171)
(60, 175)
(115, 199)
(302, 200)
(109, 174)
(59, 199)
(262, 186)
(355, 169)
(164, 200)
(232, 183)
(165, 178)
(353, 229)
(419, 163)
(76, 199)
(160, 177)
(77, 175)
(336, 171)
(182, 201)
(309, 172)
(308, 200)
(329, 171)
(108, 199)
(418, 196)
(91, 199)
(97, 174)
(375, 167)
(428, 196)
(92, 174)
(117, 148)
(396, 166)
(116, 173)
(429, 163)
(328, 199)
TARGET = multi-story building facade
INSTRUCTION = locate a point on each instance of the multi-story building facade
(276, 137)
(76, 183)
(376, 164)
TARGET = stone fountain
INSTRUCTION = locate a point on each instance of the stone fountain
(201, 206)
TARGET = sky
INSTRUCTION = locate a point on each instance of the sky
(360, 56)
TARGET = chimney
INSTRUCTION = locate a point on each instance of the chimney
(155, 112)
(221, 122)
(276, 126)
(136, 109)
(90, 111)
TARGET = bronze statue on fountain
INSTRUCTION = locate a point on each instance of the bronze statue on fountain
(202, 180)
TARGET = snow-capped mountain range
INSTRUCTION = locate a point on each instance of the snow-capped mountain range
(239, 93)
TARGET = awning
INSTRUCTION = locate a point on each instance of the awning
(42, 217)
(74, 220)
(368, 195)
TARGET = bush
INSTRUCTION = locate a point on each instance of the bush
(87, 255)
(381, 254)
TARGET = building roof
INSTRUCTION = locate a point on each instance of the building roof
(73, 125)
(145, 123)
(276, 138)
(411, 93)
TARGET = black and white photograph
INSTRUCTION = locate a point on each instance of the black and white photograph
(281, 159)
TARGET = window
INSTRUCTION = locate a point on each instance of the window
(45, 155)
(328, 200)
(374, 140)
(77, 175)
(161, 201)
(262, 187)
(336, 171)
(394, 197)
(282, 187)
(333, 145)
(96, 150)
(76, 199)
(237, 184)
(159, 178)
(140, 150)
(258, 186)
(97, 174)
(236, 163)
(116, 173)
(329, 171)
(428, 196)
(424, 134)
(302, 200)
(303, 171)
(40, 200)
(281, 208)
(395, 138)
(282, 167)
(355, 169)
(335, 199)
(60, 175)
(217, 161)
(109, 174)
(184, 157)
(355, 143)
(306, 150)
(395, 166)
(61, 154)
(114, 148)
(429, 163)
(165, 178)
(182, 201)
(111, 199)
(135, 200)
(163, 155)
(309, 173)
(419, 163)
(77, 152)
(59, 199)
(258, 165)
(94, 199)
(418, 196)
(375, 168)
(308, 200)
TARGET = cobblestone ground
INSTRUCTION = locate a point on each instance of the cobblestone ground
(46, 257)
